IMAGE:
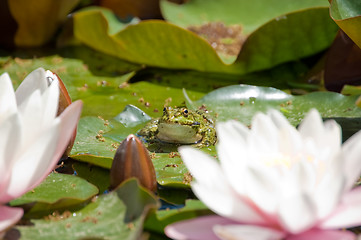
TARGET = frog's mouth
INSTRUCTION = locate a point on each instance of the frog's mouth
(177, 133)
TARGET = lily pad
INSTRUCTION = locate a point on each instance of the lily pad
(106, 217)
(347, 15)
(93, 174)
(161, 44)
(241, 102)
(250, 14)
(56, 192)
(99, 80)
(158, 220)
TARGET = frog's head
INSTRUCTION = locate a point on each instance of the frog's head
(179, 125)
(181, 116)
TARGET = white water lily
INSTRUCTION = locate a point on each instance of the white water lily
(32, 137)
(276, 182)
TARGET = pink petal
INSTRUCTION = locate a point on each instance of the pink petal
(247, 232)
(348, 213)
(41, 157)
(9, 216)
(196, 229)
(318, 234)
(69, 120)
(32, 163)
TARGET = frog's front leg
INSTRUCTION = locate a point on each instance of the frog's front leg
(150, 130)
(209, 137)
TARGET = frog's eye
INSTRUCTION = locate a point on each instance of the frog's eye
(164, 109)
(185, 112)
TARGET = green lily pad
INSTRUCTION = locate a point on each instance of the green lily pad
(93, 174)
(161, 44)
(99, 80)
(347, 15)
(56, 192)
(158, 220)
(145, 42)
(251, 15)
(241, 102)
(107, 217)
(98, 139)
(91, 145)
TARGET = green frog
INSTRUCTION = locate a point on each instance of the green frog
(181, 126)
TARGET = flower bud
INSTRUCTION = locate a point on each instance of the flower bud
(132, 160)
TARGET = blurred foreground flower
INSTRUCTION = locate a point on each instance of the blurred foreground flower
(274, 182)
(32, 138)
(132, 160)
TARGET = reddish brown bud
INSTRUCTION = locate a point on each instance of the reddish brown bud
(132, 160)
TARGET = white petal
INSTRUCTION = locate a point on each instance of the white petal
(212, 188)
(262, 183)
(36, 80)
(329, 192)
(351, 159)
(231, 149)
(332, 135)
(51, 77)
(33, 163)
(348, 212)
(264, 135)
(312, 126)
(50, 100)
(297, 213)
(9, 216)
(7, 97)
(10, 136)
(326, 134)
(278, 119)
(247, 232)
(32, 114)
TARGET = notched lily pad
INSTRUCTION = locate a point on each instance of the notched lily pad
(105, 218)
(56, 192)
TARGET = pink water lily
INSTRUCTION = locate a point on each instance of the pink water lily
(276, 182)
(32, 137)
